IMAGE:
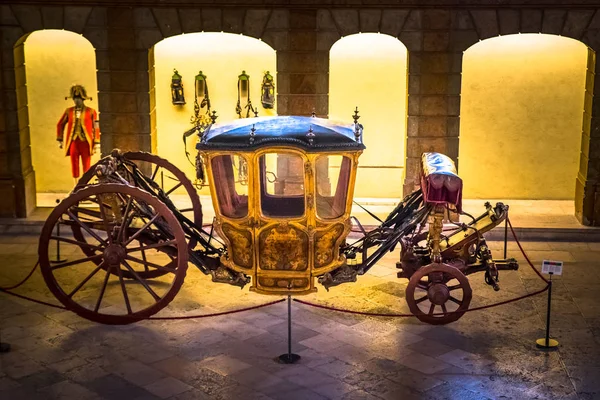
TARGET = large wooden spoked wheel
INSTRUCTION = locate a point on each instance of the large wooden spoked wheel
(115, 219)
(438, 294)
(170, 179)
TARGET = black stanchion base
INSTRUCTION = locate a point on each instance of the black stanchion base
(58, 261)
(288, 358)
(550, 344)
(4, 347)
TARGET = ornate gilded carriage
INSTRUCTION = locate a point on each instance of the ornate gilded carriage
(282, 190)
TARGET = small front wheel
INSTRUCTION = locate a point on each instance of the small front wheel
(438, 294)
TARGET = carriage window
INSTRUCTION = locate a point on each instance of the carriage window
(230, 174)
(333, 177)
(281, 185)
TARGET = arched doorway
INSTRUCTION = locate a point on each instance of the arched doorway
(221, 57)
(369, 70)
(48, 63)
(522, 112)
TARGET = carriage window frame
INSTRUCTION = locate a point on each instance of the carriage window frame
(345, 166)
(263, 192)
(232, 191)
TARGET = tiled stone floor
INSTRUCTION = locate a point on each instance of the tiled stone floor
(488, 354)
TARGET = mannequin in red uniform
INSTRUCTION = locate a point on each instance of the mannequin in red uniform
(82, 138)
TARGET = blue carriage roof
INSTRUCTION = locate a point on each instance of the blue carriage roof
(277, 131)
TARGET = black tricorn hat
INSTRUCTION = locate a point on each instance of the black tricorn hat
(78, 91)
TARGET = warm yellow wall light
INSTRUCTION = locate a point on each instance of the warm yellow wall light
(521, 117)
(221, 57)
(368, 70)
(54, 61)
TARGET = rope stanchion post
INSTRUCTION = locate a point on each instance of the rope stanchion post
(58, 259)
(289, 357)
(505, 235)
(547, 343)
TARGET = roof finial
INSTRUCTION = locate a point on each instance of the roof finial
(356, 116)
(358, 128)
(214, 116)
(314, 113)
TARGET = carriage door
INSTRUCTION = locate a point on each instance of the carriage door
(281, 227)
(232, 179)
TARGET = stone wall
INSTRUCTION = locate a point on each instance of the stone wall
(302, 36)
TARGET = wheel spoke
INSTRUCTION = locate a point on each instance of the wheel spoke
(86, 228)
(101, 295)
(140, 280)
(444, 308)
(152, 246)
(83, 282)
(79, 261)
(75, 242)
(454, 287)
(86, 212)
(174, 188)
(144, 257)
(454, 299)
(125, 219)
(151, 264)
(104, 218)
(421, 299)
(124, 291)
(155, 172)
(141, 230)
(431, 308)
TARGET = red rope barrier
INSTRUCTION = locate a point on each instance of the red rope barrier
(33, 300)
(24, 280)
(220, 313)
(523, 251)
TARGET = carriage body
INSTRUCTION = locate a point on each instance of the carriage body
(282, 192)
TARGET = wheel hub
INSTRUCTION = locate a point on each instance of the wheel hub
(438, 293)
(114, 254)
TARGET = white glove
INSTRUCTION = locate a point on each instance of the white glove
(96, 148)
(60, 144)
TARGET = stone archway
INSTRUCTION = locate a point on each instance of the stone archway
(368, 71)
(221, 57)
(47, 63)
(522, 113)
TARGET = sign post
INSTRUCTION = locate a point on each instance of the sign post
(550, 268)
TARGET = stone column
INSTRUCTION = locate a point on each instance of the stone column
(302, 78)
(123, 85)
(587, 189)
(302, 69)
(433, 90)
(17, 180)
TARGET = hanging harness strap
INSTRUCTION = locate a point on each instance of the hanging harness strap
(197, 121)
(244, 78)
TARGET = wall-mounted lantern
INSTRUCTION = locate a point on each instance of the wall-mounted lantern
(267, 91)
(177, 89)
